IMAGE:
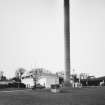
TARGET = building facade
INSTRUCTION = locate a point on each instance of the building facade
(45, 79)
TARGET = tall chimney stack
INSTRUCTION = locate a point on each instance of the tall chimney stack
(67, 41)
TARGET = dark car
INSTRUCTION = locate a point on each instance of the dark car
(38, 86)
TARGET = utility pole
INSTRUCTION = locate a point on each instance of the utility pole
(67, 42)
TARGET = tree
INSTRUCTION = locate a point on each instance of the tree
(35, 73)
(20, 72)
(18, 75)
(2, 77)
(1, 73)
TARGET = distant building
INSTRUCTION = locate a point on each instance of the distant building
(45, 79)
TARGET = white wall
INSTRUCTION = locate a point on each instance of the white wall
(28, 82)
(48, 80)
(42, 81)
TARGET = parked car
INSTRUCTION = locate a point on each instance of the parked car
(38, 86)
(16, 85)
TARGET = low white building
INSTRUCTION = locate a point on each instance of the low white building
(48, 79)
(28, 81)
(45, 79)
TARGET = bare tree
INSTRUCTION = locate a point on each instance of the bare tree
(35, 73)
(1, 74)
(20, 72)
(16, 74)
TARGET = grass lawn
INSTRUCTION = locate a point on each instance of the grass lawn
(82, 96)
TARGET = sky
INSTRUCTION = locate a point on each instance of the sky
(32, 35)
(88, 36)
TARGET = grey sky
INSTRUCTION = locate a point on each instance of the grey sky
(31, 35)
(88, 35)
